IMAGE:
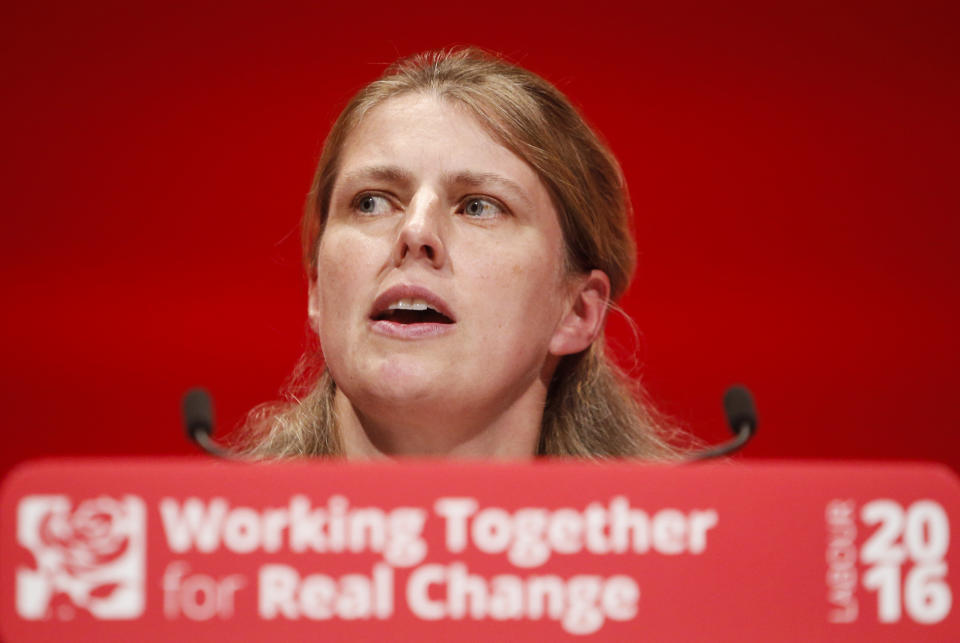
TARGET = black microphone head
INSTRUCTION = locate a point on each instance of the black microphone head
(197, 412)
(738, 404)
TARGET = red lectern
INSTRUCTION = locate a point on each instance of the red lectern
(188, 549)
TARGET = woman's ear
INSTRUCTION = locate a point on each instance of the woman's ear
(313, 305)
(583, 320)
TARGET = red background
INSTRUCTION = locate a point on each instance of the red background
(793, 173)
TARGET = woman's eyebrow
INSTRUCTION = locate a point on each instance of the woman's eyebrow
(385, 173)
(471, 179)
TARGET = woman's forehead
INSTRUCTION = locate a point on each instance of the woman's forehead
(420, 136)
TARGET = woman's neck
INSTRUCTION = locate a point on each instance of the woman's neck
(510, 434)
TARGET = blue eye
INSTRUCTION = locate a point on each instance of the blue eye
(372, 204)
(481, 208)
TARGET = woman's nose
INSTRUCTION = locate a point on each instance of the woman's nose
(421, 233)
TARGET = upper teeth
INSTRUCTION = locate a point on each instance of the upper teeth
(409, 304)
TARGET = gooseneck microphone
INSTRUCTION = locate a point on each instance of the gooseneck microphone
(742, 418)
(197, 407)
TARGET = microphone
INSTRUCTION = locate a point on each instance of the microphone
(742, 418)
(197, 407)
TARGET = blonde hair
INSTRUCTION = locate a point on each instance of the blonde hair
(592, 409)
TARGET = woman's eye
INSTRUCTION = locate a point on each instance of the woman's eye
(481, 208)
(372, 204)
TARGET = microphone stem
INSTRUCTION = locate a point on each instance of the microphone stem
(742, 437)
(206, 442)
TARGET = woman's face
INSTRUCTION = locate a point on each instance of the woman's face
(440, 275)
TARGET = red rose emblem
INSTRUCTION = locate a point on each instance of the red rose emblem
(90, 536)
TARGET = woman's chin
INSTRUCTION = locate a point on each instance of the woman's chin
(404, 382)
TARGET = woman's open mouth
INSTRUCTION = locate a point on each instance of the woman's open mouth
(411, 312)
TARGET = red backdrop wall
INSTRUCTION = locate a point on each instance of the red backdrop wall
(793, 173)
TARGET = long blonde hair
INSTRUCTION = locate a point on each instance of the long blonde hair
(592, 409)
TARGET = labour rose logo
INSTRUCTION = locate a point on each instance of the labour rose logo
(90, 557)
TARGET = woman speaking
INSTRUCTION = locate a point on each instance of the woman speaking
(464, 237)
